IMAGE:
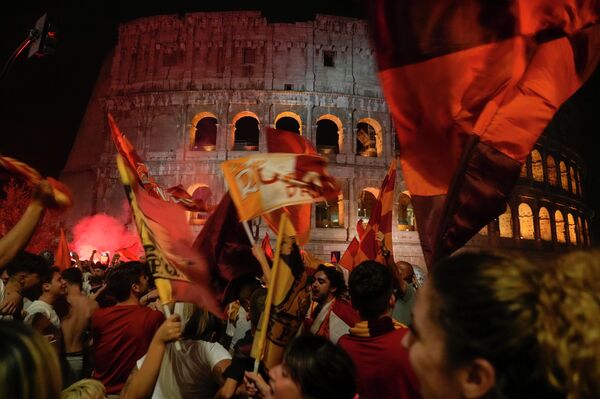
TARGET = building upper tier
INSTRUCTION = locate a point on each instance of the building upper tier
(241, 50)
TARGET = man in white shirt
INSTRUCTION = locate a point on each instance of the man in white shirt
(41, 314)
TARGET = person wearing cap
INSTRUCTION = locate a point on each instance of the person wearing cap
(332, 316)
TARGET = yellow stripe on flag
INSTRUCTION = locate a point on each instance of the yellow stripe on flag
(287, 300)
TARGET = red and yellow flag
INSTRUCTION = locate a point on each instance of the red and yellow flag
(263, 183)
(180, 272)
(176, 194)
(471, 85)
(300, 214)
(348, 258)
(378, 232)
(62, 195)
(287, 299)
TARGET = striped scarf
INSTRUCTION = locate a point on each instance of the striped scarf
(376, 327)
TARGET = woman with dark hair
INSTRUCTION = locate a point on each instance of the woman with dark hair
(312, 368)
(492, 326)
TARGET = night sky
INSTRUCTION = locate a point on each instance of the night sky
(43, 99)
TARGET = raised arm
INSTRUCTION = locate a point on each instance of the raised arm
(18, 237)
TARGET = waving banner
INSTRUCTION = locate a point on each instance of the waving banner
(263, 183)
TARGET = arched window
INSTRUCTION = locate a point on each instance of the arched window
(366, 201)
(330, 214)
(545, 225)
(365, 140)
(202, 194)
(289, 121)
(526, 222)
(205, 137)
(327, 137)
(551, 169)
(537, 168)
(579, 183)
(572, 229)
(505, 223)
(369, 138)
(573, 180)
(564, 178)
(559, 222)
(406, 213)
(246, 134)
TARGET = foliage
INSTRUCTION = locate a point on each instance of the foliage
(15, 196)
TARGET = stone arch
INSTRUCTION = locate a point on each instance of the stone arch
(202, 193)
(559, 224)
(330, 214)
(537, 167)
(579, 183)
(366, 201)
(245, 129)
(551, 170)
(505, 223)
(364, 141)
(326, 120)
(203, 131)
(573, 180)
(572, 229)
(526, 228)
(406, 212)
(564, 177)
(545, 224)
(281, 121)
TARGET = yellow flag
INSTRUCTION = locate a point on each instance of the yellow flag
(287, 302)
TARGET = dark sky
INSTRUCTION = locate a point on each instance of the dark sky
(43, 99)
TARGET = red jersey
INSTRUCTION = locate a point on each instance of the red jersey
(121, 335)
(383, 369)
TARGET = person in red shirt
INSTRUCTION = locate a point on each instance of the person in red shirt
(122, 333)
(382, 366)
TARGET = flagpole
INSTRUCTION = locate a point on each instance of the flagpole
(258, 252)
(168, 314)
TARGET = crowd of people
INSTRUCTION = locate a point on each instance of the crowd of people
(484, 325)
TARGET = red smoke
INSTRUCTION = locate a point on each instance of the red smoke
(103, 233)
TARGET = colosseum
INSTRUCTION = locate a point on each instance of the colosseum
(191, 91)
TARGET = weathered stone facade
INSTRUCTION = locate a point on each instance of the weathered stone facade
(168, 74)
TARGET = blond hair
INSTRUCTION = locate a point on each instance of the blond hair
(84, 389)
(538, 325)
(29, 367)
(568, 324)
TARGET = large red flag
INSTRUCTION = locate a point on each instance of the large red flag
(62, 257)
(225, 246)
(176, 194)
(300, 215)
(471, 86)
(180, 272)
